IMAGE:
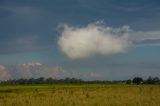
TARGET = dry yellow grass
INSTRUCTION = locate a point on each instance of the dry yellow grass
(80, 95)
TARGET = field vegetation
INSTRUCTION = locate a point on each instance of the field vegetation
(80, 95)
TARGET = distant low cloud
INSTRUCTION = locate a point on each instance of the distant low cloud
(93, 39)
(31, 70)
(36, 70)
(4, 74)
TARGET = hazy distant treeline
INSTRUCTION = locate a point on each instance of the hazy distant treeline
(42, 80)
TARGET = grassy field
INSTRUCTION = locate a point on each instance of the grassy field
(80, 95)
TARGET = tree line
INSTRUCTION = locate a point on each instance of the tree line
(42, 80)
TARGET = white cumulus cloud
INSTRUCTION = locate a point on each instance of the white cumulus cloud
(93, 39)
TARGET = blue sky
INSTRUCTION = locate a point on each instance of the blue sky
(29, 33)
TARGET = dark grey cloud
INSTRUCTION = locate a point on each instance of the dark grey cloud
(24, 43)
(5, 13)
(24, 31)
(21, 18)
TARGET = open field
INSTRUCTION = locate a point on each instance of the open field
(80, 95)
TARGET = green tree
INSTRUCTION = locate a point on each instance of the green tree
(137, 80)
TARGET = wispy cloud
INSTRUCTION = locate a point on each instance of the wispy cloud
(145, 34)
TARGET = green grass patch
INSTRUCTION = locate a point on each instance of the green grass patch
(80, 95)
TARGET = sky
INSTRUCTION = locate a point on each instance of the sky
(87, 39)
